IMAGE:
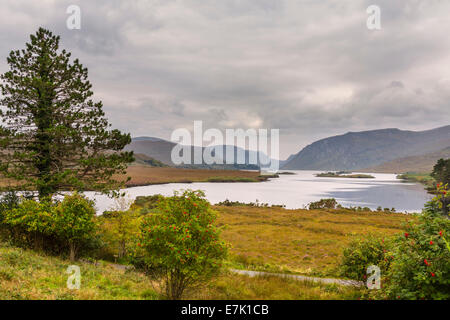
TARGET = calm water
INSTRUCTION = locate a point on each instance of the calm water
(296, 191)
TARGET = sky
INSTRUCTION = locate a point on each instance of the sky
(309, 68)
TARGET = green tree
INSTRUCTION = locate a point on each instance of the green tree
(53, 136)
(441, 171)
(119, 227)
(74, 222)
(179, 244)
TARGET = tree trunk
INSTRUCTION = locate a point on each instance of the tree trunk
(72, 252)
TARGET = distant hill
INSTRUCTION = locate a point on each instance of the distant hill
(155, 148)
(358, 150)
(142, 159)
(420, 163)
(160, 150)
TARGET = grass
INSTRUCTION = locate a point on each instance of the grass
(142, 175)
(301, 241)
(25, 274)
(145, 175)
(236, 287)
(420, 177)
(28, 275)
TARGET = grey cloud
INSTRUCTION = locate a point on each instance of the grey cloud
(310, 68)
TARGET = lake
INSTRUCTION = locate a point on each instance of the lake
(296, 191)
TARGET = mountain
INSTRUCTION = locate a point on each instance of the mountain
(160, 150)
(142, 159)
(358, 150)
(155, 148)
(420, 163)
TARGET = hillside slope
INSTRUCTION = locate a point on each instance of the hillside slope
(420, 163)
(161, 150)
(358, 150)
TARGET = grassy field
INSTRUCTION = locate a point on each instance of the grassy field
(145, 175)
(25, 274)
(302, 241)
(267, 239)
(238, 287)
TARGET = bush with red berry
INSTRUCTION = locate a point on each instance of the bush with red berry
(179, 243)
(420, 268)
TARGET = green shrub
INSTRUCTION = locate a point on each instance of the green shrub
(364, 252)
(74, 222)
(50, 226)
(179, 243)
(421, 265)
(30, 222)
(117, 230)
(323, 204)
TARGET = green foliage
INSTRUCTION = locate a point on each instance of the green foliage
(118, 229)
(421, 264)
(179, 243)
(30, 222)
(441, 171)
(323, 204)
(74, 222)
(414, 264)
(52, 135)
(364, 252)
(146, 204)
(43, 224)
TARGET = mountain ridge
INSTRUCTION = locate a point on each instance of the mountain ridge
(363, 149)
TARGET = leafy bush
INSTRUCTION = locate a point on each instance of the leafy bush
(323, 204)
(74, 222)
(118, 229)
(179, 243)
(421, 265)
(30, 222)
(69, 224)
(363, 252)
(146, 204)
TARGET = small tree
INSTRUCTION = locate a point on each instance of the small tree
(74, 222)
(52, 135)
(179, 244)
(119, 227)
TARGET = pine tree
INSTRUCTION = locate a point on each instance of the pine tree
(52, 135)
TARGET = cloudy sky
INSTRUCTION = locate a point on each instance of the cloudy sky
(310, 68)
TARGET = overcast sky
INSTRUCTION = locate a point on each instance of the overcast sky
(310, 68)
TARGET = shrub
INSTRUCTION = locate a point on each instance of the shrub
(363, 252)
(146, 204)
(74, 222)
(118, 228)
(179, 245)
(323, 204)
(30, 222)
(421, 264)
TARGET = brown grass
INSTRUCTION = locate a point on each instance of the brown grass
(238, 287)
(145, 175)
(302, 241)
